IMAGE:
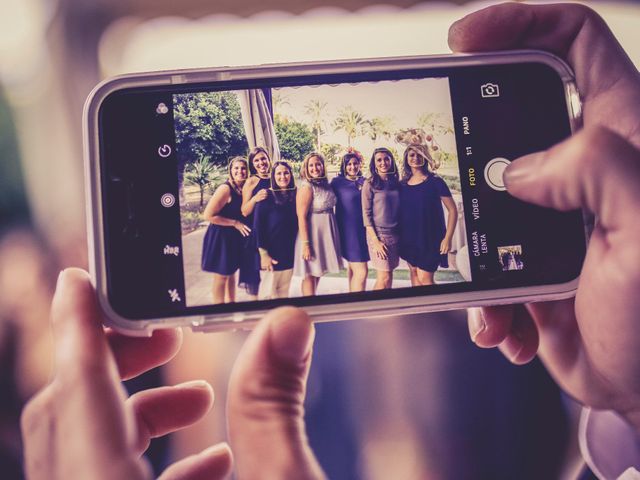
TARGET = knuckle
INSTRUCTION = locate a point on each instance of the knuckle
(585, 12)
(576, 13)
(265, 396)
(35, 412)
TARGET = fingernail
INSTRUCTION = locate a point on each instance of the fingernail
(59, 281)
(223, 458)
(217, 449)
(291, 336)
(477, 325)
(195, 384)
(512, 346)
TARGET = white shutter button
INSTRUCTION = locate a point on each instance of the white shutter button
(493, 173)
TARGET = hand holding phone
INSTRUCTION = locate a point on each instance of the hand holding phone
(590, 345)
(82, 426)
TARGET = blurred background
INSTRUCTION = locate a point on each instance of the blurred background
(409, 398)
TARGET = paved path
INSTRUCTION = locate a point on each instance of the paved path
(199, 282)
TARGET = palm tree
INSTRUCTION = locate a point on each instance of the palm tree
(351, 122)
(315, 108)
(201, 173)
(278, 100)
(434, 123)
(379, 127)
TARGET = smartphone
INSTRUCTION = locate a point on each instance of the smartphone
(392, 200)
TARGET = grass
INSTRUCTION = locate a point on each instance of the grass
(442, 276)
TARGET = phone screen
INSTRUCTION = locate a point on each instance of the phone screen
(329, 188)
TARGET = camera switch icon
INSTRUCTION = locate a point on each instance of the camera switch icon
(490, 90)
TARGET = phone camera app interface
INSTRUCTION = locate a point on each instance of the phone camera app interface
(352, 186)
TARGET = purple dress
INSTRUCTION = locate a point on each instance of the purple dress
(422, 225)
(222, 245)
(353, 238)
(276, 228)
(250, 265)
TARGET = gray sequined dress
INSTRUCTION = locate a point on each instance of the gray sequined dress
(323, 234)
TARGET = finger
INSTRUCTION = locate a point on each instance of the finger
(37, 425)
(265, 400)
(163, 410)
(560, 338)
(573, 32)
(572, 175)
(489, 326)
(137, 355)
(521, 344)
(275, 262)
(77, 325)
(89, 400)
(211, 464)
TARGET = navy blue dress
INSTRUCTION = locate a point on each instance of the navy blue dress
(353, 238)
(276, 227)
(422, 225)
(250, 265)
(222, 245)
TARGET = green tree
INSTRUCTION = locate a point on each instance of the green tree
(279, 100)
(201, 173)
(379, 127)
(434, 123)
(330, 152)
(351, 122)
(295, 138)
(315, 109)
(208, 125)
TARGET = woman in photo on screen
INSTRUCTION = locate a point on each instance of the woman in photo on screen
(425, 238)
(347, 186)
(380, 212)
(276, 228)
(255, 190)
(318, 244)
(222, 248)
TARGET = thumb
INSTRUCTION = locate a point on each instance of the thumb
(274, 261)
(265, 404)
(595, 169)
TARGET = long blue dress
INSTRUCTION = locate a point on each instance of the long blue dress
(276, 228)
(222, 246)
(422, 225)
(250, 265)
(353, 238)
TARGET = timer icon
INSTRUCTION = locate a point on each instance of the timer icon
(164, 151)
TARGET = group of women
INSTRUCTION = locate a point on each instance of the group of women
(269, 229)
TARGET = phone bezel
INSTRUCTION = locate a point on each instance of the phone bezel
(343, 311)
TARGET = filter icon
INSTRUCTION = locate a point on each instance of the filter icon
(167, 200)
